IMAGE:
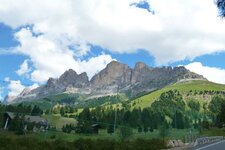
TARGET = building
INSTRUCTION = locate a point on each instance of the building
(8, 116)
(95, 128)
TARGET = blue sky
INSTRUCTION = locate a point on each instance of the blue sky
(48, 38)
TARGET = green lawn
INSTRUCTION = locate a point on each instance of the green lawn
(58, 121)
(183, 87)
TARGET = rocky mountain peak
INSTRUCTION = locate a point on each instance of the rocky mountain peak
(71, 78)
(84, 75)
(181, 69)
(115, 66)
(25, 91)
(113, 63)
(51, 82)
(140, 72)
(69, 74)
(115, 76)
(140, 65)
(8, 99)
(114, 73)
(81, 80)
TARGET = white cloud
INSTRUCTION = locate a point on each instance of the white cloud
(95, 64)
(15, 88)
(24, 68)
(50, 59)
(178, 30)
(34, 86)
(213, 74)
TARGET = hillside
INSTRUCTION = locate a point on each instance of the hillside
(200, 90)
(190, 89)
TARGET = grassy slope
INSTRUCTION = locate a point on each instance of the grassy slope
(58, 121)
(46, 103)
(182, 87)
(147, 100)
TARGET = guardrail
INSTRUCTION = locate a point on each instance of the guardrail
(205, 140)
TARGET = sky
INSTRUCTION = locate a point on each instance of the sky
(44, 38)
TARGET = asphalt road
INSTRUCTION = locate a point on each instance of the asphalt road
(214, 146)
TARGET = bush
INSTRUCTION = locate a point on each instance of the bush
(53, 136)
(68, 128)
(163, 131)
(110, 129)
(17, 143)
(125, 132)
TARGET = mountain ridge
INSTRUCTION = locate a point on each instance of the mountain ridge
(115, 77)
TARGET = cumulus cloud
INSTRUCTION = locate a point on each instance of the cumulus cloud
(34, 86)
(178, 30)
(61, 32)
(51, 59)
(15, 88)
(95, 64)
(213, 74)
(24, 68)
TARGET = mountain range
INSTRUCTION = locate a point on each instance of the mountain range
(115, 77)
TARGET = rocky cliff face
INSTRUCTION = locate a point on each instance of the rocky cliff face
(71, 78)
(115, 77)
(115, 74)
(140, 72)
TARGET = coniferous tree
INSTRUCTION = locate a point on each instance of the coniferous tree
(139, 129)
(220, 121)
(110, 129)
(36, 111)
(62, 111)
(145, 118)
(145, 128)
(178, 120)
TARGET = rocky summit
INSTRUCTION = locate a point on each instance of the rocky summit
(115, 77)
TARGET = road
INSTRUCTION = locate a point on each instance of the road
(214, 146)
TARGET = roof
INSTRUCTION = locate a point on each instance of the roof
(95, 125)
(36, 119)
(11, 115)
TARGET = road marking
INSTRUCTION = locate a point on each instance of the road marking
(210, 145)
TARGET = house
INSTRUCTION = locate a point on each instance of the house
(8, 116)
(95, 128)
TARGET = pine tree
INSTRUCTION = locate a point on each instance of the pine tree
(36, 111)
(221, 116)
(110, 129)
(178, 120)
(62, 111)
(145, 129)
(139, 129)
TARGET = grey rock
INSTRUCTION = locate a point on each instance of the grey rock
(115, 74)
(115, 77)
